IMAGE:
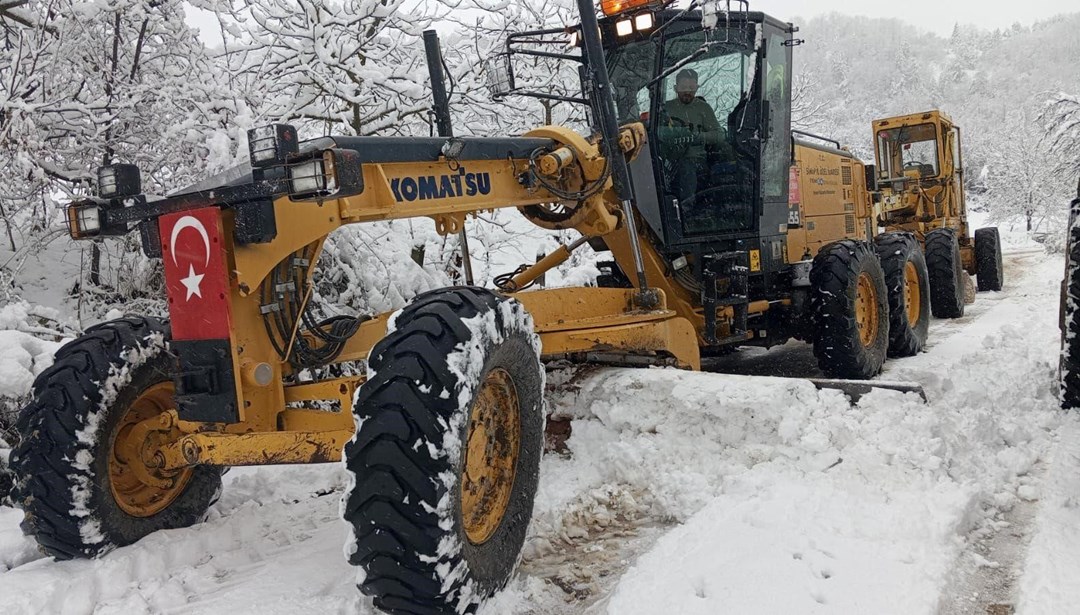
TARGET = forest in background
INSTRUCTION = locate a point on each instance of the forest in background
(86, 83)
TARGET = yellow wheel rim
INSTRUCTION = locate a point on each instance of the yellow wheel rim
(490, 456)
(912, 294)
(866, 310)
(139, 489)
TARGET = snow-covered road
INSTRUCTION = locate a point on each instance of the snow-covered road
(699, 493)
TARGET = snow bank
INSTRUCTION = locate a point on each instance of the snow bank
(23, 355)
(1049, 581)
(271, 545)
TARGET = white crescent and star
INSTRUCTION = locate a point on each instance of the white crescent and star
(192, 281)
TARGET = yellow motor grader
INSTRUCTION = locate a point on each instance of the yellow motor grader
(740, 232)
(920, 177)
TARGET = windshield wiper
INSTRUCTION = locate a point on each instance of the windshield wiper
(681, 63)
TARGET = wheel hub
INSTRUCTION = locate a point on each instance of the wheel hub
(866, 310)
(491, 455)
(139, 487)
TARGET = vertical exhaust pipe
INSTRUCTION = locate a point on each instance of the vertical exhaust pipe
(442, 123)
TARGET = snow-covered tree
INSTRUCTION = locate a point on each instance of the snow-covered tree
(1063, 124)
(347, 67)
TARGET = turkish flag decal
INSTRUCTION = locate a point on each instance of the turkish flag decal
(195, 275)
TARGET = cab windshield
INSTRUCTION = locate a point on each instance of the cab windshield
(692, 122)
(908, 151)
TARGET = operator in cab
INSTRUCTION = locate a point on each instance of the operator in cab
(692, 133)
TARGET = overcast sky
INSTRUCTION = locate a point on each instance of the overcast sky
(935, 15)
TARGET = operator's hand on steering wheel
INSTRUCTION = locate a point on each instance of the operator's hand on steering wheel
(710, 138)
(676, 140)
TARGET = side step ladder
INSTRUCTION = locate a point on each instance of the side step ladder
(734, 268)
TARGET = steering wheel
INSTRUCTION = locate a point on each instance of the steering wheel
(675, 149)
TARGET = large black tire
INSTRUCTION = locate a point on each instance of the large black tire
(1069, 372)
(845, 274)
(989, 270)
(908, 282)
(61, 465)
(415, 417)
(946, 273)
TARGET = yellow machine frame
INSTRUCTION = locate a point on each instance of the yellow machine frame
(283, 423)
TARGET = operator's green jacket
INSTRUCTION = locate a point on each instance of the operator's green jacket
(700, 118)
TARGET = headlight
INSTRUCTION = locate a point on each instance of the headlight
(334, 172)
(272, 145)
(308, 179)
(118, 181)
(83, 221)
(624, 27)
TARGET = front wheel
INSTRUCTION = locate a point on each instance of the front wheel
(81, 476)
(849, 310)
(444, 464)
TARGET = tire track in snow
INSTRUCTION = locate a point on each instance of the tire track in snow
(985, 574)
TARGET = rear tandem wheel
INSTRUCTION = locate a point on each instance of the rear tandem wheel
(946, 273)
(909, 292)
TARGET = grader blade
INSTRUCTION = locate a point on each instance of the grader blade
(855, 389)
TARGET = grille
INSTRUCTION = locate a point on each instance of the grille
(849, 224)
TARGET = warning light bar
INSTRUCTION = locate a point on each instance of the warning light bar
(616, 7)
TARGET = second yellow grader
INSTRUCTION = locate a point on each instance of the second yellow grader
(921, 182)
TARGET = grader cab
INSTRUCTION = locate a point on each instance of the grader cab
(920, 175)
(726, 226)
